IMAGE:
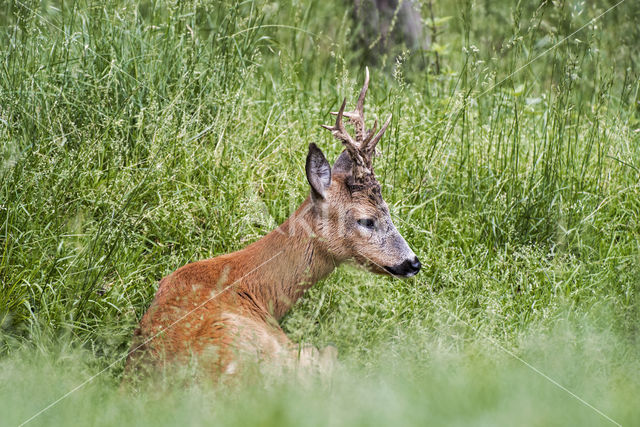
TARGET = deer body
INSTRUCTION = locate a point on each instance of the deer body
(222, 311)
(232, 303)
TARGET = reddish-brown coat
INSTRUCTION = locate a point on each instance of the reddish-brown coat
(216, 310)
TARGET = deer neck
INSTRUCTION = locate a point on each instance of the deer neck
(291, 259)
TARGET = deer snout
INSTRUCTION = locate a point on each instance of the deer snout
(407, 268)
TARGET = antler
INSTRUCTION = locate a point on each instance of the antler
(356, 117)
(361, 149)
(352, 146)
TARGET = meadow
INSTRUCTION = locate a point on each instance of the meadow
(136, 137)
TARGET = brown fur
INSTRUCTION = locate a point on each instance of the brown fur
(231, 304)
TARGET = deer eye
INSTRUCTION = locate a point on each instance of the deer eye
(368, 223)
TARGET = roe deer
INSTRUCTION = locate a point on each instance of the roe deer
(223, 310)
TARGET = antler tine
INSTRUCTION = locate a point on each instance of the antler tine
(370, 133)
(356, 117)
(371, 146)
(339, 131)
(363, 93)
(351, 146)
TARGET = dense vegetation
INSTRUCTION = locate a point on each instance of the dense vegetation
(139, 136)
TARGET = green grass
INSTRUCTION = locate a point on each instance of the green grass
(139, 136)
(415, 381)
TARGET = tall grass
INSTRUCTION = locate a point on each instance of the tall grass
(427, 384)
(139, 136)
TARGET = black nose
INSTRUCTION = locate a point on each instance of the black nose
(416, 264)
(407, 268)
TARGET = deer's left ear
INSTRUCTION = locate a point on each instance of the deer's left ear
(318, 172)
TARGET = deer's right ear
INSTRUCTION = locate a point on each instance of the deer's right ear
(318, 172)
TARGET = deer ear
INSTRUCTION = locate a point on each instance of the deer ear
(343, 164)
(318, 172)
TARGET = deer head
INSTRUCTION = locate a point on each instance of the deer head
(350, 216)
